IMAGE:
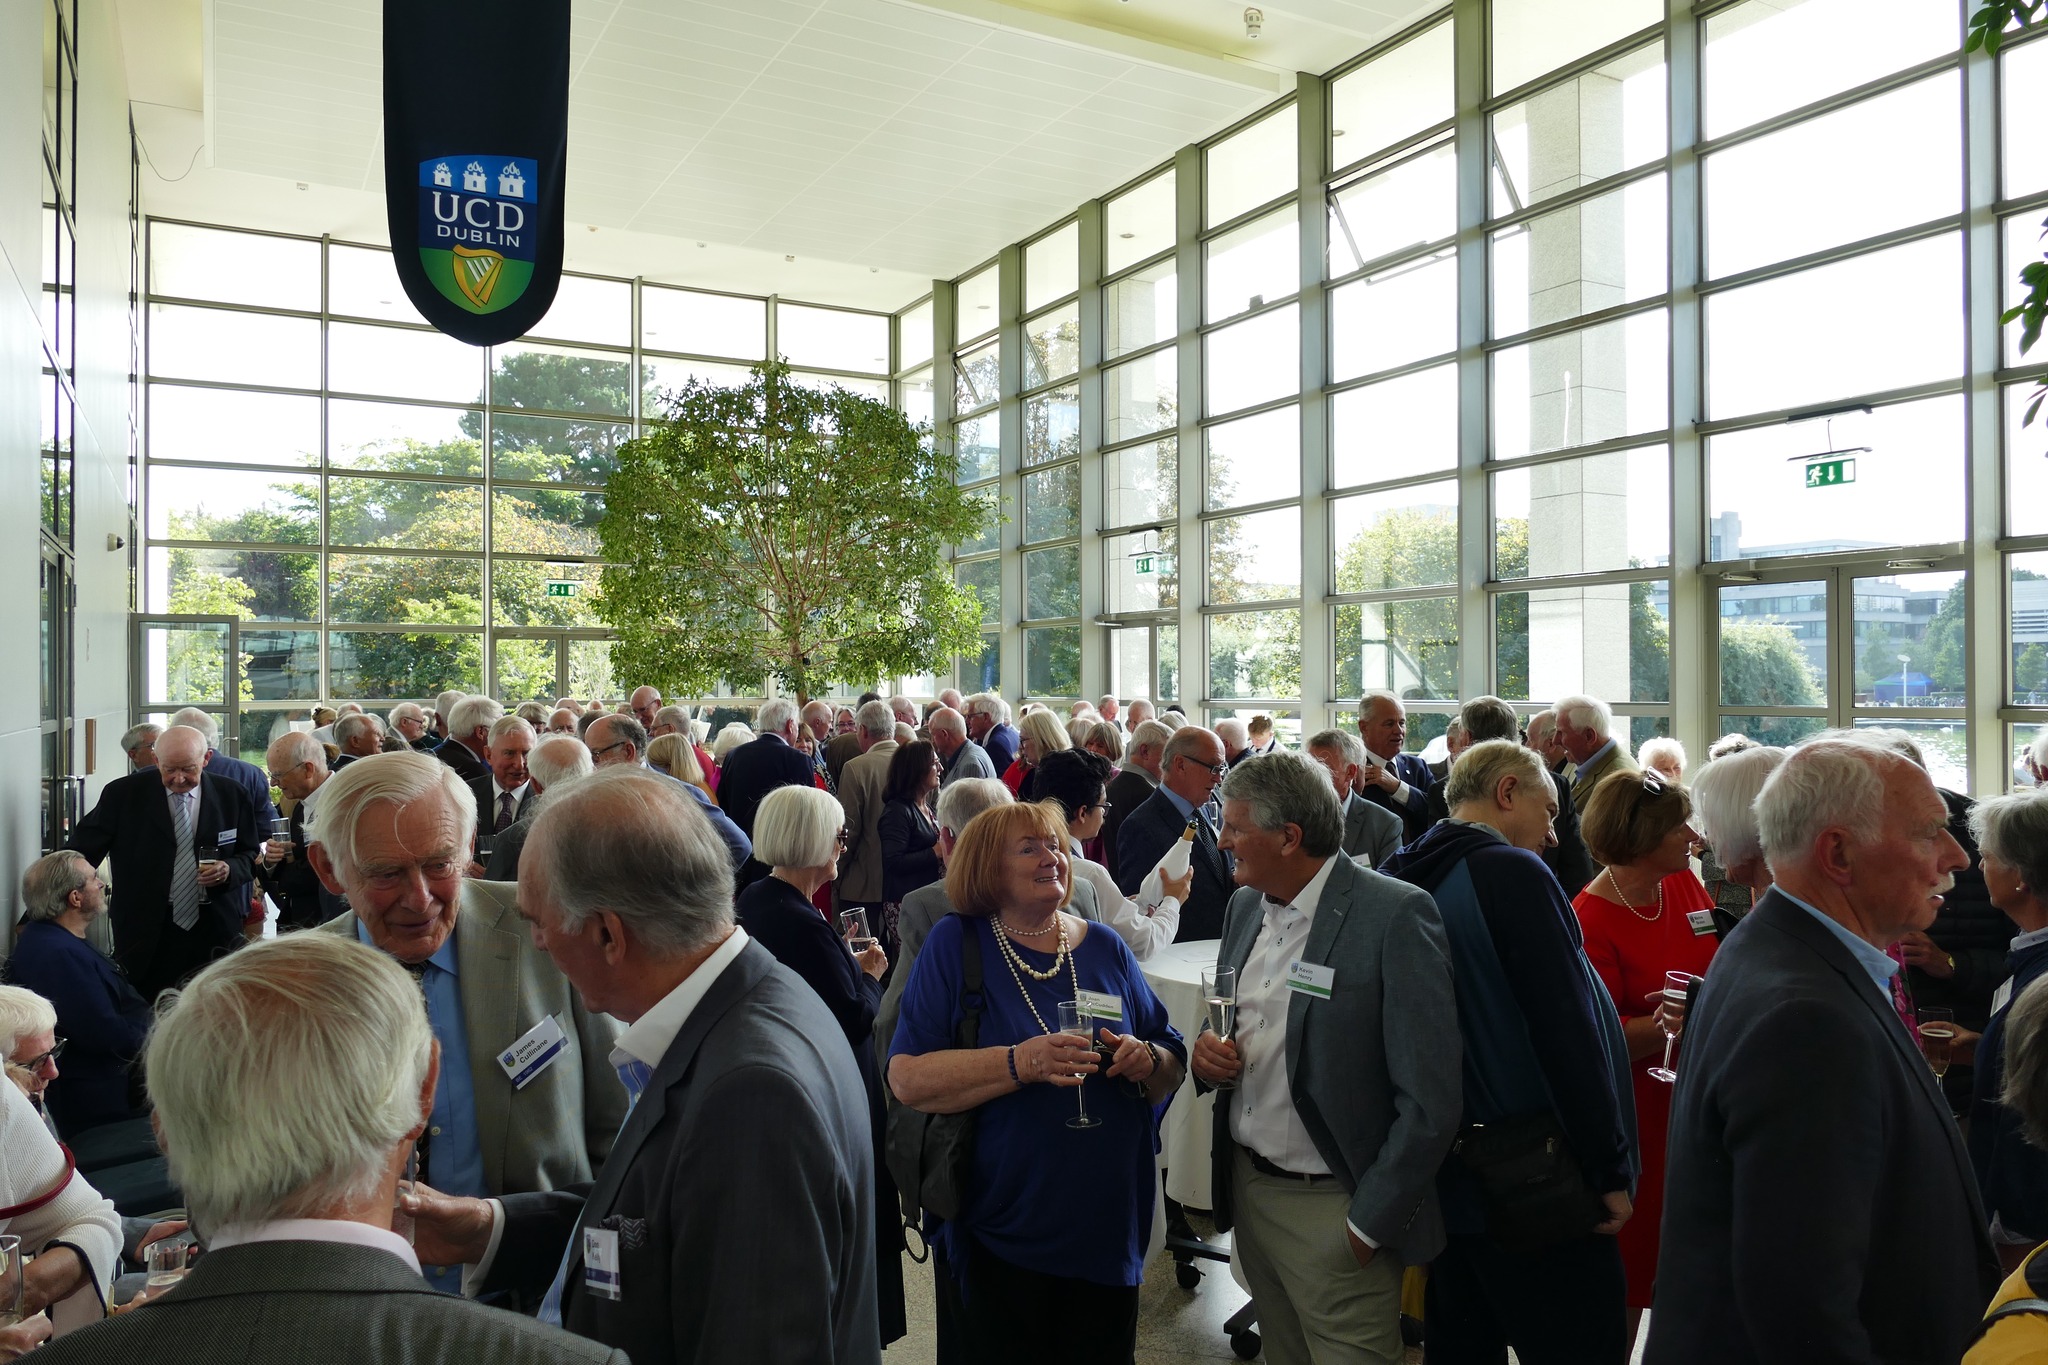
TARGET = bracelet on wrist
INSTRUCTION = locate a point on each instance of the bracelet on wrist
(1011, 1058)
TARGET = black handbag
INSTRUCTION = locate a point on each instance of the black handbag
(931, 1156)
(1531, 1185)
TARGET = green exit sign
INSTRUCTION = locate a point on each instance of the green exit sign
(1144, 564)
(1828, 473)
(561, 587)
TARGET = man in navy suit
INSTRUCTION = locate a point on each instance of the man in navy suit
(762, 764)
(1190, 768)
(1392, 778)
(468, 745)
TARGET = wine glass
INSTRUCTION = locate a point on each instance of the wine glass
(853, 925)
(1073, 1020)
(1675, 986)
(1937, 1029)
(1219, 992)
(486, 841)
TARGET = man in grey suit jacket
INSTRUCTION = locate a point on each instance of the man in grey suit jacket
(274, 1073)
(1346, 1064)
(1372, 833)
(735, 1218)
(962, 757)
(860, 792)
(393, 836)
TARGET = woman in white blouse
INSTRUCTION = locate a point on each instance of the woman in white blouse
(69, 1228)
(1076, 781)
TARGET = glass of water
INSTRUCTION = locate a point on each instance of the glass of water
(1219, 995)
(853, 925)
(167, 1259)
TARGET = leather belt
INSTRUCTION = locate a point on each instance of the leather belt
(1265, 1167)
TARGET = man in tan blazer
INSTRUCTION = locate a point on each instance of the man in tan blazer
(860, 792)
(1585, 728)
(528, 1100)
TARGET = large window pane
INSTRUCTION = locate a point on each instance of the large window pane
(590, 310)
(234, 267)
(1599, 253)
(1250, 167)
(914, 335)
(1141, 483)
(1943, 744)
(1052, 503)
(234, 348)
(1531, 37)
(1409, 204)
(223, 504)
(2026, 463)
(2026, 240)
(1880, 321)
(1253, 362)
(555, 449)
(1138, 223)
(402, 437)
(916, 397)
(1908, 639)
(703, 324)
(877, 389)
(1052, 346)
(1256, 558)
(1052, 662)
(832, 338)
(1602, 123)
(1141, 396)
(1143, 571)
(405, 514)
(1255, 654)
(1409, 648)
(524, 669)
(256, 585)
(985, 576)
(1394, 96)
(1402, 538)
(1052, 425)
(1402, 314)
(1594, 515)
(279, 665)
(977, 377)
(974, 305)
(1758, 58)
(2027, 628)
(1885, 163)
(1139, 309)
(991, 533)
(1782, 731)
(394, 664)
(520, 596)
(1906, 488)
(534, 521)
(977, 443)
(396, 363)
(1599, 384)
(1052, 583)
(1052, 267)
(2023, 87)
(660, 377)
(1250, 265)
(362, 282)
(1611, 642)
(234, 427)
(1254, 459)
(388, 589)
(1395, 428)
(552, 379)
(1774, 644)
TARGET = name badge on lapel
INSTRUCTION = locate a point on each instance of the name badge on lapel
(2001, 997)
(1702, 922)
(1100, 1006)
(1311, 980)
(225, 840)
(601, 1263)
(533, 1053)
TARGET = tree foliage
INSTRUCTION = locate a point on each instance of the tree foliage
(1988, 30)
(776, 529)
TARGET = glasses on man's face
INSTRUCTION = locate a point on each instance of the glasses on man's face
(1219, 769)
(596, 754)
(37, 1062)
(840, 837)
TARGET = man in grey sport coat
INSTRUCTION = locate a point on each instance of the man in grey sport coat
(1346, 1063)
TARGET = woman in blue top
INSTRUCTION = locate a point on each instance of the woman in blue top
(1045, 1260)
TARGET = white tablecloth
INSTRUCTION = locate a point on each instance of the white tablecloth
(1175, 973)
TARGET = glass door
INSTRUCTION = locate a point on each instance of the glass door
(189, 660)
(63, 788)
(541, 665)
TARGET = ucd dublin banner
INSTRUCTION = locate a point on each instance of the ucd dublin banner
(475, 143)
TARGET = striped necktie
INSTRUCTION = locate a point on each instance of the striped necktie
(184, 867)
(634, 1075)
(505, 813)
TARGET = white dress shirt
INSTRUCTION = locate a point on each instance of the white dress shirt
(1262, 1113)
(1146, 932)
(346, 1231)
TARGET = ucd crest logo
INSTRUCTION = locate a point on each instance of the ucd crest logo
(478, 227)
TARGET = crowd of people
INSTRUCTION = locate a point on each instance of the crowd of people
(582, 1032)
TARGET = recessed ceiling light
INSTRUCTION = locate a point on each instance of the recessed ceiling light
(789, 258)
(1126, 236)
(302, 184)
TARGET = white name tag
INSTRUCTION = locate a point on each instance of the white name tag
(1310, 979)
(601, 1262)
(1702, 922)
(225, 839)
(534, 1053)
(1101, 1007)
(2001, 997)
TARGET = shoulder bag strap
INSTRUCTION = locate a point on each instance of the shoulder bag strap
(970, 985)
(63, 1180)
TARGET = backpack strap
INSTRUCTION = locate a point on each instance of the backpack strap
(2017, 1308)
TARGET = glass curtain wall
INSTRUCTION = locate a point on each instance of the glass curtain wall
(389, 512)
(1648, 354)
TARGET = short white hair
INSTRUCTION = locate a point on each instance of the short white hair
(505, 725)
(2038, 750)
(731, 737)
(23, 1014)
(285, 1075)
(960, 802)
(1232, 732)
(1349, 747)
(797, 827)
(1585, 713)
(406, 710)
(990, 704)
(472, 712)
(1724, 802)
(396, 779)
(353, 724)
(1149, 734)
(138, 735)
(876, 721)
(1660, 746)
(294, 747)
(1823, 784)
(557, 760)
(202, 721)
(676, 717)
(776, 715)
(444, 704)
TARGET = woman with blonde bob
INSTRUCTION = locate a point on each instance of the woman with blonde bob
(1038, 733)
(1045, 1258)
(675, 755)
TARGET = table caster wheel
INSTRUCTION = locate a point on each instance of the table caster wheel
(1245, 1344)
(1186, 1274)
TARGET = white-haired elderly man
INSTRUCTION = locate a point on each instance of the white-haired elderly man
(358, 735)
(444, 712)
(1346, 1066)
(554, 763)
(1393, 777)
(1372, 833)
(298, 768)
(645, 706)
(988, 724)
(290, 1084)
(861, 783)
(527, 1100)
(734, 1220)
(1807, 1128)
(1585, 730)
(409, 720)
(139, 743)
(503, 794)
(1136, 779)
(467, 748)
(247, 776)
(960, 758)
(770, 760)
(183, 843)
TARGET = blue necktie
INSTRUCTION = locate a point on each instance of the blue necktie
(634, 1076)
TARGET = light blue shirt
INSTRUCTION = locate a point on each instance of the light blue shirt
(1187, 809)
(1593, 760)
(1873, 960)
(456, 1154)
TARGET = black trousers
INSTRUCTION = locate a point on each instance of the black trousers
(1562, 1305)
(1003, 1314)
(180, 953)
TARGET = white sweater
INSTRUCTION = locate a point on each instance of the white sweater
(80, 1218)
(1144, 933)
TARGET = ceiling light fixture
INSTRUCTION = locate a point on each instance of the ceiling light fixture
(1254, 21)
(789, 258)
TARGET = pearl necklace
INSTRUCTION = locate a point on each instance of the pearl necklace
(1614, 882)
(1016, 963)
(1014, 932)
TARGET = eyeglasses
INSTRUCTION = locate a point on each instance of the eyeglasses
(596, 754)
(35, 1063)
(840, 837)
(1219, 769)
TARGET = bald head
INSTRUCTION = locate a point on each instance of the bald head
(180, 754)
(948, 731)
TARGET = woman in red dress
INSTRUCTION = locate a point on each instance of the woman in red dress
(1644, 915)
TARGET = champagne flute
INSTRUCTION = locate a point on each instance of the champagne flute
(853, 925)
(12, 1285)
(1219, 992)
(1074, 1021)
(1937, 1029)
(1675, 985)
(486, 841)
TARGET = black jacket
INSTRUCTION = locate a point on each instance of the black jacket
(1146, 835)
(1127, 791)
(302, 902)
(1971, 930)
(457, 755)
(753, 770)
(487, 803)
(1819, 1207)
(910, 854)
